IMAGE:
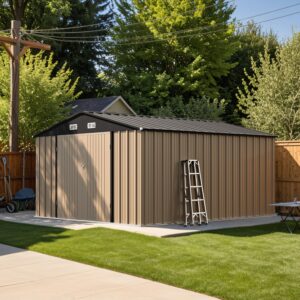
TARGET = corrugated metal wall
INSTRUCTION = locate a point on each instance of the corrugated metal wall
(83, 176)
(238, 174)
(127, 177)
(45, 177)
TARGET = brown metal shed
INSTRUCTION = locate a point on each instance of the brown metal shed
(126, 169)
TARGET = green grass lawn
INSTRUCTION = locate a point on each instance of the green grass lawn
(261, 262)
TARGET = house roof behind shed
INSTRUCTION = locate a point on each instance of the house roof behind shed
(101, 105)
(174, 124)
(92, 104)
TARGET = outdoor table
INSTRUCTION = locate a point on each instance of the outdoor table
(293, 212)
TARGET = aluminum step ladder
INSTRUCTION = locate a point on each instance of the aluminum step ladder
(194, 199)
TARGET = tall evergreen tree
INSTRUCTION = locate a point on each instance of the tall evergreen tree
(33, 13)
(167, 49)
(84, 59)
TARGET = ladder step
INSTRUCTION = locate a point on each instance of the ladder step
(195, 173)
(197, 200)
(194, 187)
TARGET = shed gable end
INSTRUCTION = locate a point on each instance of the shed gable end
(83, 124)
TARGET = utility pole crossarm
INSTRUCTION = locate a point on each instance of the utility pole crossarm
(35, 45)
(4, 40)
(8, 40)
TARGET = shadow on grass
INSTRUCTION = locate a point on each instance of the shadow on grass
(25, 235)
(257, 230)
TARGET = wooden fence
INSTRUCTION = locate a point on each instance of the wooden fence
(287, 170)
(22, 170)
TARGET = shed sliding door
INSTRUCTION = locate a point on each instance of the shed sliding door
(84, 176)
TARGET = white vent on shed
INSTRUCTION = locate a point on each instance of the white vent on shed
(73, 126)
(91, 125)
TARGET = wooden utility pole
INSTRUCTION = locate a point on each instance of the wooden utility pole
(14, 86)
(16, 48)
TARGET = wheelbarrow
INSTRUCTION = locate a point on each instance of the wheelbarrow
(24, 199)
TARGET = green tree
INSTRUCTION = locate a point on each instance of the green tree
(84, 59)
(33, 13)
(270, 97)
(202, 108)
(252, 41)
(165, 49)
(44, 93)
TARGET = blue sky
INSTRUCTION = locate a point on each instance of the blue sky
(282, 27)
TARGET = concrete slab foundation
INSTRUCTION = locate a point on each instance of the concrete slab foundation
(28, 217)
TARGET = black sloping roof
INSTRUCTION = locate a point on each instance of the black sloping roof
(117, 122)
(92, 104)
(183, 125)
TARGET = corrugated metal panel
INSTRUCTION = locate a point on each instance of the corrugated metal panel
(250, 177)
(207, 169)
(48, 178)
(45, 177)
(236, 185)
(176, 190)
(132, 205)
(221, 171)
(53, 176)
(256, 179)
(214, 177)
(42, 176)
(158, 173)
(167, 174)
(124, 178)
(117, 179)
(83, 176)
(229, 173)
(139, 173)
(232, 170)
(243, 176)
(37, 176)
(127, 177)
(262, 174)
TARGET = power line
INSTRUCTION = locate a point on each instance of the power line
(92, 38)
(127, 41)
(98, 24)
(216, 31)
(105, 30)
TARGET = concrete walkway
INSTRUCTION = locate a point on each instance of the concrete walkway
(30, 275)
(28, 217)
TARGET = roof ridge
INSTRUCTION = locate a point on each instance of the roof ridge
(98, 98)
(167, 118)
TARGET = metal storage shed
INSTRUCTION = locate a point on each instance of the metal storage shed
(126, 169)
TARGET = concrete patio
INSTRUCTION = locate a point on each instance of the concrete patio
(30, 275)
(28, 217)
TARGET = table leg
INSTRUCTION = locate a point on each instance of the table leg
(292, 211)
